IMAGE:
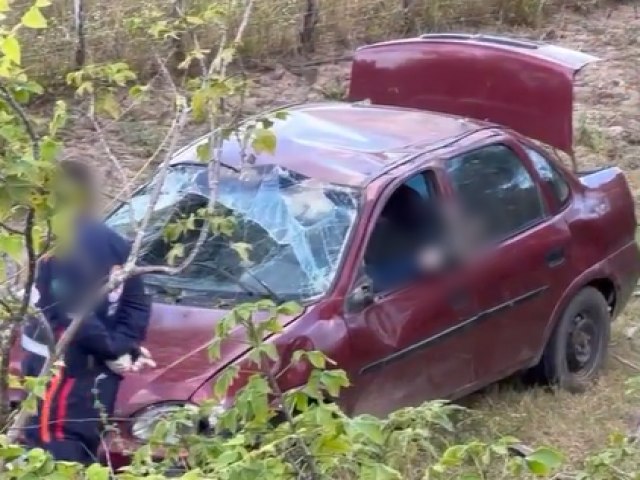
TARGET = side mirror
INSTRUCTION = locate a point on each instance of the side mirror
(361, 296)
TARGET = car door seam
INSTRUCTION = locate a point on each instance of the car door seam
(485, 314)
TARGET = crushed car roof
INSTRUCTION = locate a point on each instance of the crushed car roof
(346, 143)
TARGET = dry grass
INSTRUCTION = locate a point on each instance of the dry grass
(578, 425)
(113, 31)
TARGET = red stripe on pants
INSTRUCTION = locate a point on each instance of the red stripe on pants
(62, 407)
(45, 414)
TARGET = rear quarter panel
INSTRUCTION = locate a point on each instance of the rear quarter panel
(602, 221)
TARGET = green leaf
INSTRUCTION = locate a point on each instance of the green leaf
(214, 349)
(202, 152)
(199, 105)
(108, 104)
(4, 6)
(225, 380)
(317, 359)
(97, 472)
(242, 249)
(49, 149)
(543, 461)
(10, 452)
(378, 471)
(281, 115)
(289, 308)
(453, 456)
(264, 141)
(33, 18)
(177, 251)
(369, 427)
(194, 20)
(11, 49)
(12, 246)
(333, 381)
(59, 118)
(227, 457)
(335, 445)
(269, 349)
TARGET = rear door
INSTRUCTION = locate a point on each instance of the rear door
(524, 269)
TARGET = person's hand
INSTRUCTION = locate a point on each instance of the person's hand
(121, 365)
(143, 360)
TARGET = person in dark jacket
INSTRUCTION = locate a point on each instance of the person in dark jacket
(69, 420)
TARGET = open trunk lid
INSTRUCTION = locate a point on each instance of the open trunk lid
(523, 85)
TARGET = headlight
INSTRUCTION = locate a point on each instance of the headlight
(183, 417)
(187, 419)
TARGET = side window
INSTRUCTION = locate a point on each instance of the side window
(550, 175)
(496, 190)
(408, 221)
(421, 185)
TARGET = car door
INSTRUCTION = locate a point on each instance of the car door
(410, 342)
(520, 276)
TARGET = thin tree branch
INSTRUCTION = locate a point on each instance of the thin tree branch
(9, 229)
(178, 124)
(116, 162)
(15, 106)
(626, 362)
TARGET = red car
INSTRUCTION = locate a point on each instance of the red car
(338, 217)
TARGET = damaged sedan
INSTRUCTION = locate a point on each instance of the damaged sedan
(354, 217)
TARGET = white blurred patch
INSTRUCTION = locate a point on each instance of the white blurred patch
(308, 201)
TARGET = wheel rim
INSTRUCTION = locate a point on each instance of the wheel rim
(583, 345)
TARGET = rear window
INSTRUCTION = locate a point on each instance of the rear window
(494, 187)
(550, 175)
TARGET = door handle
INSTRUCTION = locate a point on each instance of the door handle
(555, 257)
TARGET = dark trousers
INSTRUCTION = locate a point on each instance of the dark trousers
(71, 417)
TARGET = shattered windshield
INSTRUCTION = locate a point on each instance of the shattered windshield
(280, 233)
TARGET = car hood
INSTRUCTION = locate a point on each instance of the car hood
(178, 339)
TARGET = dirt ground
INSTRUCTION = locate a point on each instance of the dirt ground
(608, 132)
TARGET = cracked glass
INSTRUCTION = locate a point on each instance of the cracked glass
(284, 233)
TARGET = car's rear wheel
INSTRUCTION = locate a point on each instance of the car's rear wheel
(577, 350)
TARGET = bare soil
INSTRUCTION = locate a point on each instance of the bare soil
(607, 124)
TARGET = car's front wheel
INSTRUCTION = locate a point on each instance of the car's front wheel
(577, 349)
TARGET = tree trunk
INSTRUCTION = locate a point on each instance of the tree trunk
(81, 47)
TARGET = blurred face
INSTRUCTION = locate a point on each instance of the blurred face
(75, 196)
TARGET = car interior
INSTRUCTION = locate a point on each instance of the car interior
(408, 222)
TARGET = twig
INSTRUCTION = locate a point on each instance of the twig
(15, 106)
(143, 168)
(626, 362)
(215, 147)
(9, 229)
(116, 162)
(15, 321)
(7, 307)
(178, 124)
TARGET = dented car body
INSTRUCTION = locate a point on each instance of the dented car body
(311, 214)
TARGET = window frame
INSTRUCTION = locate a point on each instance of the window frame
(558, 205)
(433, 176)
(519, 152)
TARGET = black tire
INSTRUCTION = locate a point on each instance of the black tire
(577, 349)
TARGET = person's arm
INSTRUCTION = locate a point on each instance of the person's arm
(131, 317)
(129, 326)
(47, 302)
